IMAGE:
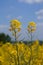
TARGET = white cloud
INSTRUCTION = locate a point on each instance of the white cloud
(40, 24)
(3, 26)
(31, 1)
(39, 14)
(8, 16)
(40, 17)
(19, 17)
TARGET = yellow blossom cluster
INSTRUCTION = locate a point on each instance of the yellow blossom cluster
(15, 25)
(21, 54)
(32, 26)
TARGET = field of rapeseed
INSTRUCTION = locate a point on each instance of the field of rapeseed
(21, 54)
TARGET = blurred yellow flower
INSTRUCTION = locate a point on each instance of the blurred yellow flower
(32, 24)
(15, 24)
(8, 54)
(1, 59)
(14, 52)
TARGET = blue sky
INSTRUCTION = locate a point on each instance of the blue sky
(23, 10)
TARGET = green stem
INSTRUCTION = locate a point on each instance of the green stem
(31, 37)
(17, 54)
(15, 36)
(31, 49)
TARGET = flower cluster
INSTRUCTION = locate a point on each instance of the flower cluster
(12, 54)
(15, 25)
(32, 27)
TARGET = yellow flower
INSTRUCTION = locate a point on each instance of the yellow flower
(32, 23)
(21, 47)
(14, 52)
(32, 27)
(1, 59)
(15, 23)
(36, 42)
